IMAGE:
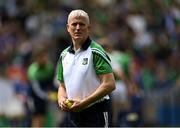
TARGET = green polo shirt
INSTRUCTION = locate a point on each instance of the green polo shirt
(79, 70)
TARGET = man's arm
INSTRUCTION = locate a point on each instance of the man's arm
(106, 87)
(62, 96)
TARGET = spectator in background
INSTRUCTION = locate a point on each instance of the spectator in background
(40, 74)
(126, 96)
(118, 62)
(18, 75)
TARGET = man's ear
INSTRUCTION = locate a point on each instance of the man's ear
(67, 27)
(89, 27)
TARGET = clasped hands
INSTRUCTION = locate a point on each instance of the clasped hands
(70, 105)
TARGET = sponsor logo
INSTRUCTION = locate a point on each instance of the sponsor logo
(85, 61)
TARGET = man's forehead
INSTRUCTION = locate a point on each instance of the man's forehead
(78, 19)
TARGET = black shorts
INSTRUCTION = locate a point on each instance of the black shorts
(40, 106)
(97, 115)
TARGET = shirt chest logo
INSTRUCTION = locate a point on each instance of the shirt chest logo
(85, 61)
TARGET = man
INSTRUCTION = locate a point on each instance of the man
(85, 76)
(40, 75)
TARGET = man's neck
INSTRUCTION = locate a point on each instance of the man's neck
(77, 45)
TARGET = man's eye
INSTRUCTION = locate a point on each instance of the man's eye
(74, 24)
(81, 24)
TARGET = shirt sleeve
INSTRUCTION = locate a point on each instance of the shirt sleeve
(32, 71)
(102, 63)
(60, 70)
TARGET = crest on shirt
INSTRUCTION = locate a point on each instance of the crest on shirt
(85, 61)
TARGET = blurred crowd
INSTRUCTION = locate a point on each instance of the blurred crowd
(144, 33)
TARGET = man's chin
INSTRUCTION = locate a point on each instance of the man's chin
(78, 38)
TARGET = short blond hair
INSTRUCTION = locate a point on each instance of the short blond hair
(78, 13)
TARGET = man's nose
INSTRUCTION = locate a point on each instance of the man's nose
(77, 26)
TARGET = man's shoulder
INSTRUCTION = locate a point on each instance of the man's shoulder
(96, 47)
(33, 65)
(65, 51)
(32, 70)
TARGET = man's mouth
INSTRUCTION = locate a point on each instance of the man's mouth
(77, 34)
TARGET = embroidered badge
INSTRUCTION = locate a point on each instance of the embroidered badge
(85, 61)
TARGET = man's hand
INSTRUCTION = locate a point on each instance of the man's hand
(62, 104)
(70, 105)
(77, 106)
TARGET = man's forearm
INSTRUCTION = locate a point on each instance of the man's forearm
(106, 87)
(62, 91)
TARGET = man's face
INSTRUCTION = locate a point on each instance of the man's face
(42, 59)
(78, 28)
